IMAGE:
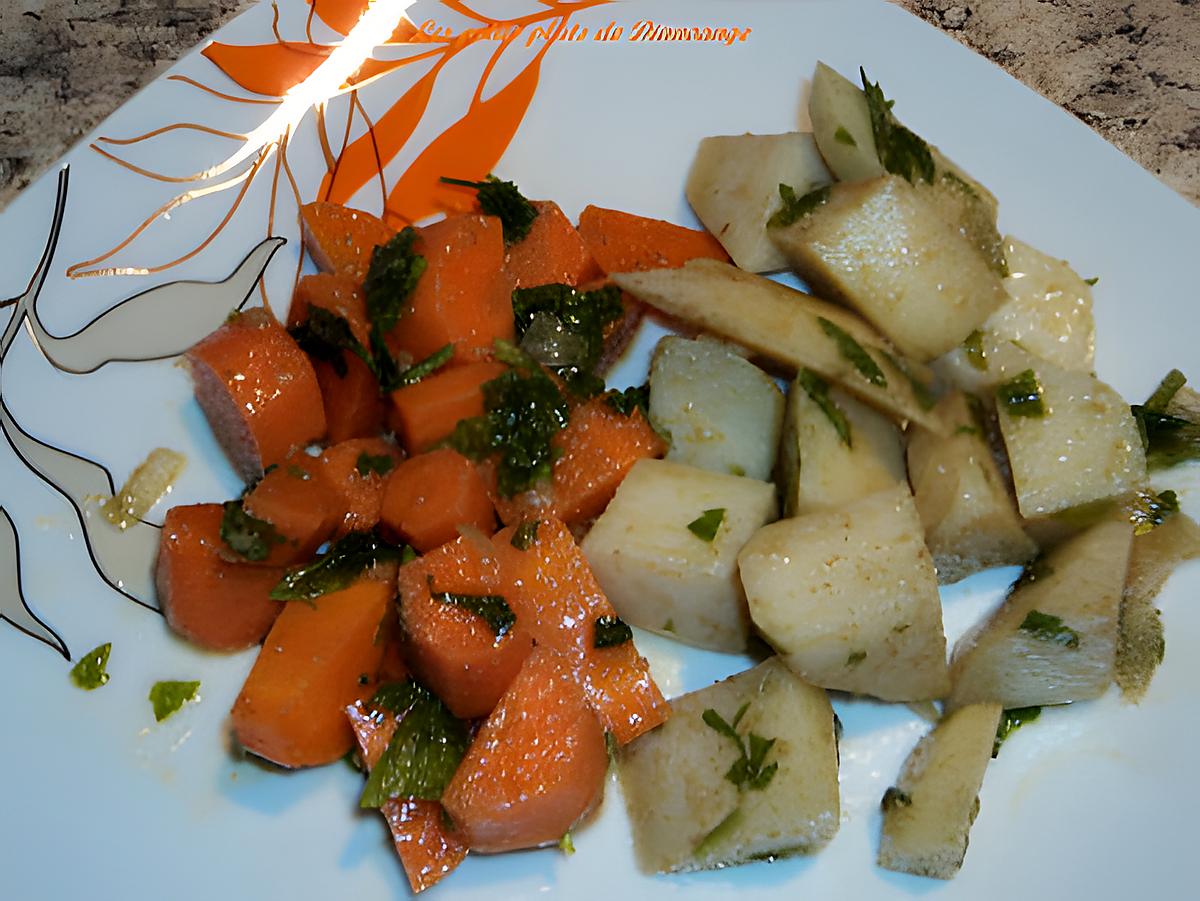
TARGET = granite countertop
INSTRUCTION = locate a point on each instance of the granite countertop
(1130, 70)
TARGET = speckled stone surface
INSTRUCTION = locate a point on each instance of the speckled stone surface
(1128, 68)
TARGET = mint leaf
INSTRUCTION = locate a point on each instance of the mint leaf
(169, 697)
(818, 390)
(245, 535)
(92, 669)
(339, 567)
(707, 524)
(502, 200)
(1022, 395)
(901, 152)
(795, 208)
(1047, 627)
(611, 631)
(854, 353)
(491, 608)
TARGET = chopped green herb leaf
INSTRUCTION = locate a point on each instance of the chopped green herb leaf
(669, 625)
(503, 200)
(1010, 721)
(795, 208)
(394, 271)
(973, 348)
(408, 554)
(1168, 439)
(246, 536)
(1150, 510)
(736, 470)
(966, 430)
(169, 697)
(298, 472)
(748, 771)
(381, 465)
(719, 833)
(1091, 281)
(566, 845)
(563, 329)
(894, 798)
(424, 368)
(900, 151)
(92, 669)
(818, 389)
(525, 535)
(611, 746)
(339, 567)
(922, 392)
(1165, 392)
(855, 658)
(1047, 627)
(1022, 395)
(706, 525)
(324, 335)
(426, 749)
(854, 353)
(844, 137)
(491, 608)
(611, 631)
(625, 402)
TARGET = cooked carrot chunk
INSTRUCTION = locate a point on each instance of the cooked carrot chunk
(552, 253)
(357, 471)
(431, 494)
(341, 239)
(624, 242)
(425, 413)
(299, 503)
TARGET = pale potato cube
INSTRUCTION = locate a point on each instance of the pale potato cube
(970, 521)
(883, 247)
(657, 572)
(841, 125)
(849, 598)
(720, 410)
(733, 186)
(820, 467)
(927, 814)
(687, 816)
(1054, 638)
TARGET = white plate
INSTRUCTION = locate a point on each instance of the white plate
(1094, 801)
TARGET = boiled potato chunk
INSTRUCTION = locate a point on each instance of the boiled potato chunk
(883, 247)
(662, 576)
(1079, 444)
(720, 410)
(835, 449)
(784, 325)
(849, 598)
(685, 813)
(928, 814)
(733, 186)
(1054, 638)
(841, 125)
(970, 521)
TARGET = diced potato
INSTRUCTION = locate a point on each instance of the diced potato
(962, 207)
(883, 247)
(657, 572)
(849, 598)
(733, 186)
(821, 470)
(970, 521)
(928, 814)
(720, 410)
(841, 125)
(685, 813)
(1084, 447)
(783, 325)
(1054, 638)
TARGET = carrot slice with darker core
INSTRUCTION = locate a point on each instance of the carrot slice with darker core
(219, 605)
(552, 253)
(258, 391)
(452, 649)
(342, 239)
(298, 502)
(537, 766)
(430, 495)
(425, 413)
(358, 489)
(552, 590)
(292, 708)
(624, 242)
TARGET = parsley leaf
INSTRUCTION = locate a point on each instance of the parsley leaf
(854, 353)
(563, 329)
(818, 390)
(634, 398)
(748, 771)
(1022, 395)
(1010, 721)
(169, 697)
(393, 274)
(900, 151)
(491, 608)
(842, 136)
(325, 335)
(503, 200)
(855, 658)
(246, 536)
(611, 631)
(339, 567)
(91, 671)
(525, 535)
(973, 348)
(422, 369)
(380, 464)
(795, 208)
(1047, 627)
(707, 524)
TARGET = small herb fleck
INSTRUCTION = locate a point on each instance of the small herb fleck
(973, 348)
(298, 472)
(1047, 627)
(493, 609)
(797, 207)
(844, 137)
(339, 567)
(818, 390)
(92, 669)
(1010, 721)
(736, 469)
(894, 799)
(1022, 395)
(245, 535)
(380, 465)
(420, 370)
(921, 391)
(503, 200)
(855, 658)
(966, 430)
(854, 353)
(566, 845)
(169, 697)
(326, 336)
(611, 631)
(1150, 510)
(719, 833)
(611, 746)
(1091, 282)
(625, 402)
(525, 535)
(707, 524)
(669, 625)
(748, 771)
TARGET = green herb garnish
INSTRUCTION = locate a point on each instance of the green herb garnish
(380, 464)
(325, 335)
(966, 430)
(669, 625)
(706, 525)
(503, 200)
(1047, 627)
(818, 389)
(491, 608)
(611, 631)
(169, 697)
(1022, 395)
(901, 152)
(564, 329)
(923, 393)
(424, 368)
(566, 845)
(426, 749)
(844, 137)
(92, 669)
(1168, 439)
(894, 798)
(720, 832)
(855, 658)
(854, 353)
(1010, 721)
(339, 567)
(246, 536)
(625, 402)
(748, 771)
(1091, 282)
(393, 274)
(795, 208)
(973, 348)
(525, 535)
(1150, 510)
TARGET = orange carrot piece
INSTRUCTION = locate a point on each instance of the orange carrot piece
(552, 253)
(464, 296)
(291, 710)
(430, 495)
(553, 592)
(624, 242)
(536, 767)
(453, 650)
(359, 493)
(425, 413)
(296, 499)
(341, 239)
(339, 294)
(373, 730)
(258, 391)
(428, 850)
(219, 605)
